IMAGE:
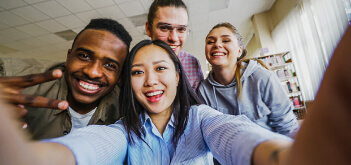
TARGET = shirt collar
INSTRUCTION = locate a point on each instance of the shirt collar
(144, 117)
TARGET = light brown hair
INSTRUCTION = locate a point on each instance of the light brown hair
(242, 57)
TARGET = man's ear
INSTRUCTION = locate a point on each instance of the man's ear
(68, 54)
(148, 29)
(119, 81)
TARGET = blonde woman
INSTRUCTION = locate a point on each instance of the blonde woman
(240, 86)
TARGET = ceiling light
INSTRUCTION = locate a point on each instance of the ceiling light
(138, 20)
(218, 4)
(67, 34)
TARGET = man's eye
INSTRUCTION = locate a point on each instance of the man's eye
(111, 65)
(84, 56)
(137, 72)
(163, 27)
(181, 29)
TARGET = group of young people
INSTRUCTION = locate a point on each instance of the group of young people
(142, 107)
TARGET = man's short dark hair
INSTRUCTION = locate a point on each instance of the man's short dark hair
(109, 25)
(163, 3)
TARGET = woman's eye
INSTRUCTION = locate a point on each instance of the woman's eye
(226, 40)
(210, 42)
(160, 68)
(137, 72)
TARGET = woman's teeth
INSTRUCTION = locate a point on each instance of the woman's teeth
(88, 86)
(218, 54)
(173, 47)
(154, 93)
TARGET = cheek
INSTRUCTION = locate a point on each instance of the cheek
(159, 37)
(182, 40)
(207, 49)
(112, 78)
(136, 85)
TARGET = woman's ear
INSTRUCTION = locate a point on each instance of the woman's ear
(240, 51)
(178, 76)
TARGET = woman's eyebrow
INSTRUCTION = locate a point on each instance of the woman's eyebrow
(153, 63)
(225, 35)
(159, 61)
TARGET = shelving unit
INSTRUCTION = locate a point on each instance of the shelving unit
(282, 65)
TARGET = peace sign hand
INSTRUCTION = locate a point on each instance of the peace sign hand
(13, 86)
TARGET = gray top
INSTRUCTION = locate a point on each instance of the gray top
(263, 99)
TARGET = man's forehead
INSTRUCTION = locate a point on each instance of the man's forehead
(171, 15)
(94, 35)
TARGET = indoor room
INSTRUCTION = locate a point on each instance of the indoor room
(288, 44)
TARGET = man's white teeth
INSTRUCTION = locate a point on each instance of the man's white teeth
(218, 54)
(154, 93)
(88, 86)
(173, 47)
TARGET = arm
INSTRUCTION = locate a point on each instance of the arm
(16, 149)
(324, 138)
(282, 116)
(326, 129)
(232, 139)
(271, 152)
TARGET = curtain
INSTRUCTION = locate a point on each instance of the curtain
(311, 32)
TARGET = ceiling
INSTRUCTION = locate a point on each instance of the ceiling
(28, 28)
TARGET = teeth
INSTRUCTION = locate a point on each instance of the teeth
(173, 47)
(218, 54)
(88, 86)
(154, 93)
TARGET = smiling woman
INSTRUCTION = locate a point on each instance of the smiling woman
(240, 86)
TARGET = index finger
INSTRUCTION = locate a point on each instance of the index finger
(37, 101)
(32, 79)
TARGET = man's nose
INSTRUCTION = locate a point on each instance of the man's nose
(93, 70)
(173, 36)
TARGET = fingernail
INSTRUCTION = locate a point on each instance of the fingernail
(62, 105)
(25, 125)
(56, 73)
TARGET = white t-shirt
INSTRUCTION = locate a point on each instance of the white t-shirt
(79, 120)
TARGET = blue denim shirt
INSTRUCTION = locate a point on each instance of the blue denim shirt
(231, 139)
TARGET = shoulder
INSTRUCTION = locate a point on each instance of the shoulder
(184, 54)
(260, 73)
(202, 110)
(25, 66)
(204, 85)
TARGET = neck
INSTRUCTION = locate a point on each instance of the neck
(80, 107)
(161, 120)
(224, 75)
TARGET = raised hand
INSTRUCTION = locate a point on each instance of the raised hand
(13, 86)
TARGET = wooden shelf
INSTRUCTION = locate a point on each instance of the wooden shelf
(283, 66)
